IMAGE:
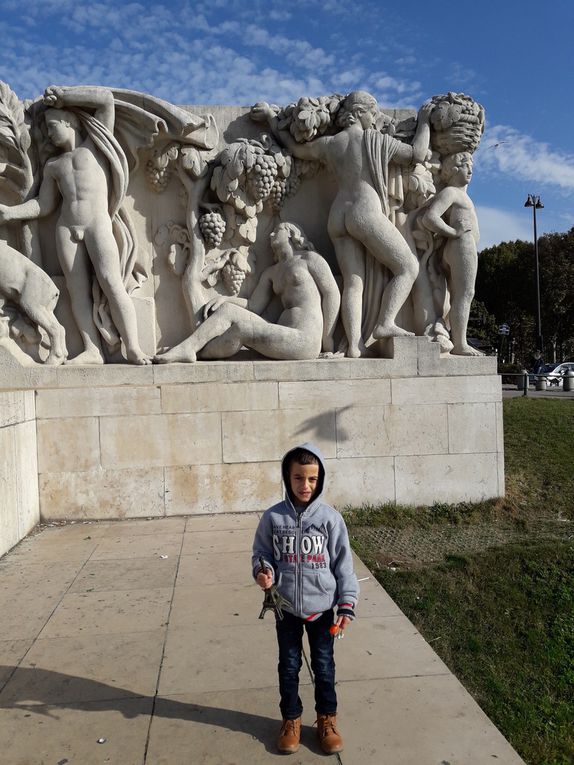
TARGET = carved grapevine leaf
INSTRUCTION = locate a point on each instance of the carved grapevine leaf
(14, 132)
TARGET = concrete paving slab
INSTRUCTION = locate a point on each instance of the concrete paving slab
(383, 647)
(26, 552)
(229, 542)
(374, 601)
(26, 616)
(86, 668)
(210, 568)
(70, 532)
(415, 721)
(226, 522)
(50, 576)
(154, 526)
(226, 605)
(126, 574)
(109, 613)
(230, 728)
(36, 734)
(137, 546)
(218, 701)
(11, 654)
(211, 658)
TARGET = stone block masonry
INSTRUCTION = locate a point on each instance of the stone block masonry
(208, 437)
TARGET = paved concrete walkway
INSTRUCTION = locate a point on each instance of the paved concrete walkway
(138, 643)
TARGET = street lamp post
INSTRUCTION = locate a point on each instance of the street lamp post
(534, 202)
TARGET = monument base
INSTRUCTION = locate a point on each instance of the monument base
(119, 441)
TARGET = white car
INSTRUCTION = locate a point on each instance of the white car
(554, 377)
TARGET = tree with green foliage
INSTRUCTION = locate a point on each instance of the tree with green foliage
(506, 285)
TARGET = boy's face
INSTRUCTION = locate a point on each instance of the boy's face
(303, 481)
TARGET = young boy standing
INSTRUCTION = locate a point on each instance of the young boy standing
(306, 553)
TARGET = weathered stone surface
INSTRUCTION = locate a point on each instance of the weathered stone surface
(390, 430)
(15, 407)
(472, 428)
(68, 444)
(257, 437)
(19, 502)
(360, 480)
(422, 480)
(446, 390)
(160, 440)
(333, 394)
(102, 494)
(237, 488)
(219, 397)
(96, 402)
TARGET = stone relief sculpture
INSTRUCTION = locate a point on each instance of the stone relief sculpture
(153, 226)
(444, 232)
(88, 181)
(27, 285)
(94, 237)
(310, 302)
(359, 157)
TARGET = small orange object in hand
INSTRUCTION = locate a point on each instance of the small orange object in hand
(336, 631)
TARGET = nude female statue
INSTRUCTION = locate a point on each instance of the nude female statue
(308, 292)
(357, 156)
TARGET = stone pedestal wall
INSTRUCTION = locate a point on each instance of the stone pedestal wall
(19, 500)
(119, 442)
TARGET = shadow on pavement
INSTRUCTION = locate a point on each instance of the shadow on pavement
(43, 692)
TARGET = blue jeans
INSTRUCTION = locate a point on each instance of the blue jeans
(290, 639)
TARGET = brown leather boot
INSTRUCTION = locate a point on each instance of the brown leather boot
(327, 733)
(289, 736)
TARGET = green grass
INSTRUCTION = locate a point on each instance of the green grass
(503, 619)
(539, 455)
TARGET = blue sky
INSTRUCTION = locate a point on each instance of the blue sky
(514, 58)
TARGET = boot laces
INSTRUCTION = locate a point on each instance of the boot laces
(289, 726)
(327, 725)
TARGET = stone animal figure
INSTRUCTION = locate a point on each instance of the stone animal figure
(26, 285)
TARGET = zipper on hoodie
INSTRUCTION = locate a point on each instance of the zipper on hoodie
(298, 567)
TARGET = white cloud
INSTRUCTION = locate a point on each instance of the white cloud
(498, 226)
(507, 151)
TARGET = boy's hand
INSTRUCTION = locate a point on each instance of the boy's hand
(342, 622)
(264, 579)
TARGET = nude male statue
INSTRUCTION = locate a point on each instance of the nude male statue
(309, 295)
(80, 178)
(357, 219)
(451, 214)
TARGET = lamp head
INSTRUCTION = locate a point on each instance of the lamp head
(533, 201)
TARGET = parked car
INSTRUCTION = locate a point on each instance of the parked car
(555, 376)
(544, 370)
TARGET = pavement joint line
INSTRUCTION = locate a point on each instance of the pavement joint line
(395, 677)
(155, 696)
(37, 637)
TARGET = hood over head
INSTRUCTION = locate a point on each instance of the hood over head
(315, 451)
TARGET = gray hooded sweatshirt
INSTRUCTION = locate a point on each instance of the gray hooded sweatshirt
(307, 550)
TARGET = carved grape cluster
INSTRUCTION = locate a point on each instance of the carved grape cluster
(159, 168)
(234, 271)
(212, 227)
(310, 117)
(458, 123)
(278, 194)
(158, 177)
(261, 177)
